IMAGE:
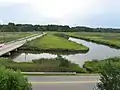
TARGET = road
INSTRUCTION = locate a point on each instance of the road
(7, 47)
(63, 82)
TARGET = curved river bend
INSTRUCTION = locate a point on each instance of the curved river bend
(96, 51)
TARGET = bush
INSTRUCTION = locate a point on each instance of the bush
(95, 66)
(63, 62)
(110, 77)
(11, 80)
(62, 35)
(58, 64)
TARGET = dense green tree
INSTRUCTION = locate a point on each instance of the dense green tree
(110, 77)
(11, 80)
(11, 27)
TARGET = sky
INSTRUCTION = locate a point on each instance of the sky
(93, 13)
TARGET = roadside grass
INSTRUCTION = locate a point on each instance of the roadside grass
(51, 42)
(110, 39)
(10, 36)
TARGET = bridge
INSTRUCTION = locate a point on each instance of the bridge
(14, 45)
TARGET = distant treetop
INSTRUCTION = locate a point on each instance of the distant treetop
(12, 27)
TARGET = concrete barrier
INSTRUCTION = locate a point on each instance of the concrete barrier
(49, 73)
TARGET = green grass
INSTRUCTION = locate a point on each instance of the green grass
(110, 39)
(95, 66)
(9, 36)
(58, 64)
(51, 42)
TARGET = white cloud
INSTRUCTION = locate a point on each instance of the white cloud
(64, 11)
(6, 3)
(61, 8)
(1, 22)
(13, 1)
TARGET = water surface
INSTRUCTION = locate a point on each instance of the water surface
(96, 51)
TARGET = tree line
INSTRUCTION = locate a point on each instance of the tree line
(12, 27)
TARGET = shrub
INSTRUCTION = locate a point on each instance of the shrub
(110, 77)
(4, 61)
(58, 64)
(11, 80)
(63, 62)
(96, 65)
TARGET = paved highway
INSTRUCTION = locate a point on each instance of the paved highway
(7, 47)
(63, 82)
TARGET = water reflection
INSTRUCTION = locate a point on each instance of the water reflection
(96, 51)
(28, 57)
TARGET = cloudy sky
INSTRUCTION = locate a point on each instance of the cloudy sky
(94, 13)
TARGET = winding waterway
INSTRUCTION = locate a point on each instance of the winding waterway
(96, 51)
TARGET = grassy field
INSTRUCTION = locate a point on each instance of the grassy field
(58, 64)
(110, 39)
(51, 42)
(9, 36)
